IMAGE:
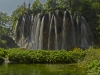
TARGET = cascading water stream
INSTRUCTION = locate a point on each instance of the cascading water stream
(73, 30)
(37, 33)
(86, 35)
(50, 32)
(41, 35)
(22, 32)
(56, 40)
(64, 31)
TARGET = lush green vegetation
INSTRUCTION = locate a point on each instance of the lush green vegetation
(2, 55)
(90, 58)
(19, 55)
(90, 9)
(4, 24)
(44, 56)
(94, 68)
(4, 27)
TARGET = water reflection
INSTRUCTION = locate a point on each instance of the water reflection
(41, 69)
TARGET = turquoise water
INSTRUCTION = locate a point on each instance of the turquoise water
(41, 69)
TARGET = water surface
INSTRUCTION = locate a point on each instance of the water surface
(42, 69)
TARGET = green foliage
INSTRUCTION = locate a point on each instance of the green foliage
(96, 6)
(20, 56)
(43, 56)
(51, 5)
(98, 27)
(3, 53)
(37, 7)
(4, 19)
(4, 27)
(63, 4)
(91, 54)
(4, 24)
(94, 68)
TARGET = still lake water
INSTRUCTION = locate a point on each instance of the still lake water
(41, 69)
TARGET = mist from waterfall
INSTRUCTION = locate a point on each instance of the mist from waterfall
(53, 31)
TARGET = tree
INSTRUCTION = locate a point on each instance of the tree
(51, 5)
(37, 7)
(63, 4)
(4, 27)
(4, 23)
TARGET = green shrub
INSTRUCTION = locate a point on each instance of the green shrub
(44, 56)
(3, 52)
(19, 56)
(91, 54)
(94, 68)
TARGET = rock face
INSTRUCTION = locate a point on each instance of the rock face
(53, 31)
(1, 60)
(9, 42)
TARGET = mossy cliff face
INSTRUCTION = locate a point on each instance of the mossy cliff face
(53, 30)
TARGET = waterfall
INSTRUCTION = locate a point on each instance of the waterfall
(56, 40)
(53, 31)
(37, 33)
(41, 35)
(73, 31)
(64, 31)
(50, 32)
(86, 35)
(22, 41)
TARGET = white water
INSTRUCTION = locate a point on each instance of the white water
(73, 31)
(37, 33)
(64, 31)
(50, 32)
(56, 40)
(41, 35)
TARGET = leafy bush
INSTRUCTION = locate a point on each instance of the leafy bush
(3, 52)
(19, 56)
(94, 68)
(91, 54)
(44, 56)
